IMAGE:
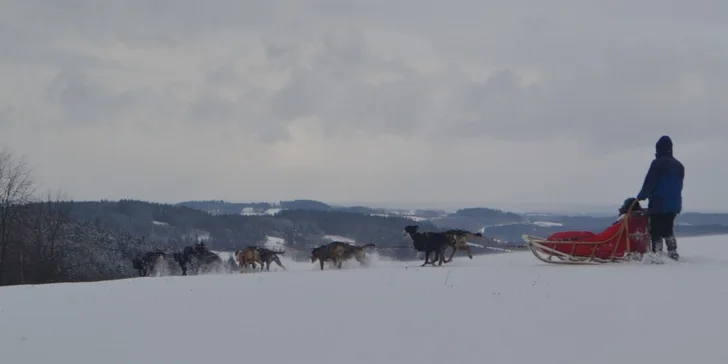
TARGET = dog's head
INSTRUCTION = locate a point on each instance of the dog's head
(409, 231)
(628, 203)
(315, 253)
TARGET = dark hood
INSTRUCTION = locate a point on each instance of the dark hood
(663, 147)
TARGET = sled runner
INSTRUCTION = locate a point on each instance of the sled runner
(626, 239)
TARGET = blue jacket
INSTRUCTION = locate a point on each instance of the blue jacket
(664, 181)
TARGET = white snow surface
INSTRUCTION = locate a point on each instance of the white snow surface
(274, 243)
(273, 211)
(407, 216)
(500, 308)
(225, 255)
(547, 223)
(340, 238)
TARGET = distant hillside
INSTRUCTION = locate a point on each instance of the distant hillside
(304, 205)
(475, 219)
(177, 225)
(219, 207)
(502, 225)
(699, 218)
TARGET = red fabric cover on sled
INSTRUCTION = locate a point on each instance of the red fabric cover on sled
(608, 243)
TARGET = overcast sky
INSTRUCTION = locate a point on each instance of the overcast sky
(511, 104)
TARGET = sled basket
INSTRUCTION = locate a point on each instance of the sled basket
(627, 240)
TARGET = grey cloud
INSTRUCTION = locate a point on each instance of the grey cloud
(6, 116)
(82, 101)
(284, 45)
(138, 23)
(609, 112)
(439, 77)
(588, 82)
(338, 89)
(594, 89)
(30, 48)
(282, 54)
(79, 100)
(223, 75)
(211, 107)
(300, 97)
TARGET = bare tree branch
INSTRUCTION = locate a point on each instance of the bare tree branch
(16, 189)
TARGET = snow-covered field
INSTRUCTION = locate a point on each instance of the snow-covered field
(547, 223)
(340, 238)
(501, 308)
(274, 243)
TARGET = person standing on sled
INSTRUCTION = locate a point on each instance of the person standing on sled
(663, 187)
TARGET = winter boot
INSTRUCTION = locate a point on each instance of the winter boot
(671, 243)
(657, 247)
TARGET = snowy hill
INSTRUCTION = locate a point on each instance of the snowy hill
(504, 308)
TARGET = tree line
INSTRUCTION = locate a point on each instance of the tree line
(40, 242)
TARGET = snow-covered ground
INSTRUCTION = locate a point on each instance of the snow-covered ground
(340, 238)
(407, 216)
(250, 211)
(225, 255)
(547, 223)
(501, 308)
(274, 243)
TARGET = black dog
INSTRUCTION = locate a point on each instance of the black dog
(429, 242)
(147, 262)
(205, 259)
(268, 256)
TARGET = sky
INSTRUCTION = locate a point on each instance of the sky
(508, 104)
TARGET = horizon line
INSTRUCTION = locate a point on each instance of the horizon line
(525, 207)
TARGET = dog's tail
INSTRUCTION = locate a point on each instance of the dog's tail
(370, 245)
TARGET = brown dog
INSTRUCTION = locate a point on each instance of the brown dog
(458, 240)
(247, 256)
(338, 252)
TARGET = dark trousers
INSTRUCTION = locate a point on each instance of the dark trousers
(662, 227)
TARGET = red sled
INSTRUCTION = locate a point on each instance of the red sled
(627, 239)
